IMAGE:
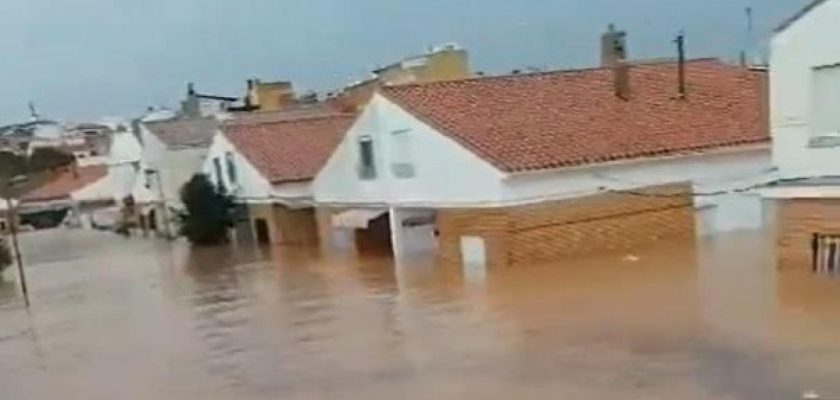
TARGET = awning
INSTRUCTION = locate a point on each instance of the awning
(357, 218)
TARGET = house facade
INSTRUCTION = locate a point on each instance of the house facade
(74, 194)
(172, 152)
(497, 171)
(805, 88)
(268, 168)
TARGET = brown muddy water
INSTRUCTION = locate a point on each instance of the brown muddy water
(140, 319)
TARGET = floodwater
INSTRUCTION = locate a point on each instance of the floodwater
(117, 318)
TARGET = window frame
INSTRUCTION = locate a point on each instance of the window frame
(367, 157)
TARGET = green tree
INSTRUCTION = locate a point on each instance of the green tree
(208, 215)
(11, 165)
(48, 158)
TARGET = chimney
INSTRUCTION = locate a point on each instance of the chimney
(681, 89)
(621, 80)
(190, 89)
(613, 46)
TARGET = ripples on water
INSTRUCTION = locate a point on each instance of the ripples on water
(139, 319)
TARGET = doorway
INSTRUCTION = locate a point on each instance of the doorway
(261, 228)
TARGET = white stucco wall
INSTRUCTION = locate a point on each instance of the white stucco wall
(124, 163)
(726, 170)
(444, 171)
(175, 166)
(808, 43)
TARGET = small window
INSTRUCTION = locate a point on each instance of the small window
(402, 164)
(367, 162)
(231, 167)
(825, 96)
(217, 169)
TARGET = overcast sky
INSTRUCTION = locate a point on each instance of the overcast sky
(89, 58)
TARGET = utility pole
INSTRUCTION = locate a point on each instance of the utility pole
(167, 228)
(12, 212)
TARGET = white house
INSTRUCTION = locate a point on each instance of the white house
(269, 166)
(173, 151)
(805, 99)
(81, 191)
(535, 167)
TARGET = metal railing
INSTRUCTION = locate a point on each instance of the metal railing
(825, 253)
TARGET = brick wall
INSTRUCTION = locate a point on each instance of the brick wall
(263, 211)
(797, 220)
(553, 230)
(297, 227)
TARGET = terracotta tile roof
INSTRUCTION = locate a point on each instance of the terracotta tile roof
(565, 118)
(65, 183)
(183, 133)
(291, 150)
(796, 17)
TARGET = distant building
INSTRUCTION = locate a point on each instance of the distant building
(270, 96)
(198, 105)
(447, 62)
(72, 195)
(172, 152)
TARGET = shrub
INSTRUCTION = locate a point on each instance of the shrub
(208, 214)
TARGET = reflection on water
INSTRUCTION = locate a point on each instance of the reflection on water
(139, 319)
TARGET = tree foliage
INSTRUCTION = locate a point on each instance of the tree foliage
(208, 214)
(48, 158)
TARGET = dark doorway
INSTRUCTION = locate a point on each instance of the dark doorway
(376, 239)
(153, 220)
(261, 228)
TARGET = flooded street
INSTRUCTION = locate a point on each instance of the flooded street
(142, 319)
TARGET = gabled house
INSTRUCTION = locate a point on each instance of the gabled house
(805, 88)
(503, 170)
(268, 167)
(77, 192)
(173, 151)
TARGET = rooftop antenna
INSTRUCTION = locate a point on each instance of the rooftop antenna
(745, 52)
(33, 112)
(680, 41)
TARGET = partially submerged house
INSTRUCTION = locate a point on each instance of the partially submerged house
(536, 167)
(72, 195)
(805, 88)
(172, 152)
(268, 167)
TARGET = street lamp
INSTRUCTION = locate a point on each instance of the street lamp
(12, 211)
(167, 228)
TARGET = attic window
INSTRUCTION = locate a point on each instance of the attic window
(367, 162)
(231, 167)
(402, 164)
(217, 170)
(825, 95)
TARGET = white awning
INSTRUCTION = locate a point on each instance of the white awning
(357, 218)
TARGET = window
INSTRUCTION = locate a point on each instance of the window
(367, 163)
(825, 100)
(402, 165)
(217, 169)
(231, 167)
